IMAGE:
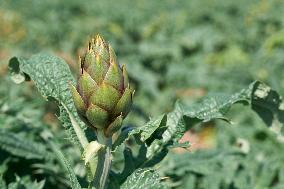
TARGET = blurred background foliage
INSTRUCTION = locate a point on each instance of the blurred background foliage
(173, 50)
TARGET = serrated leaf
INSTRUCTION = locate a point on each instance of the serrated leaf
(143, 179)
(145, 133)
(184, 117)
(214, 107)
(123, 136)
(51, 76)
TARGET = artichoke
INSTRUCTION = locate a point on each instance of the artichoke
(102, 96)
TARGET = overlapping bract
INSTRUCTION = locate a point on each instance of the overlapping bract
(102, 96)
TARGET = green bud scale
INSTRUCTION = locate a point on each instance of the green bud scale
(102, 96)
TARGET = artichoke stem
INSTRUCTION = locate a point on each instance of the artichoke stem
(102, 139)
(104, 161)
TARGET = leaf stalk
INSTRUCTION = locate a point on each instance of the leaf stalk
(104, 161)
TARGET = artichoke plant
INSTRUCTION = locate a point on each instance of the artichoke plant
(102, 96)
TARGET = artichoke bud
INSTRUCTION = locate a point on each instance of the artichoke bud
(102, 96)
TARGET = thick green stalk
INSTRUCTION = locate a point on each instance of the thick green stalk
(104, 161)
(82, 139)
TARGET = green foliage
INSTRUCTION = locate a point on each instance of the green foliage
(157, 136)
(143, 178)
(22, 147)
(51, 76)
(2, 183)
(198, 53)
(161, 134)
(25, 183)
(247, 162)
(65, 163)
